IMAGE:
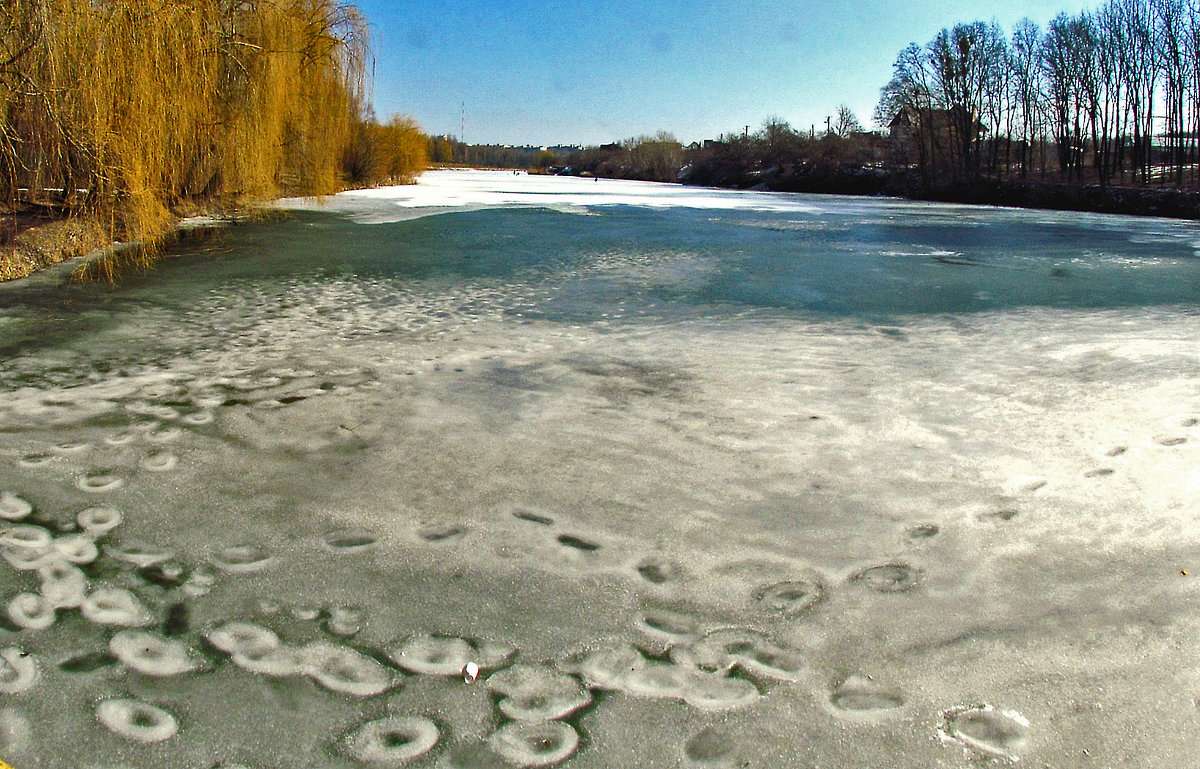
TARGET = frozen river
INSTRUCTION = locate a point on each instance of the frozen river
(682, 478)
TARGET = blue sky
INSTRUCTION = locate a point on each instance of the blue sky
(592, 72)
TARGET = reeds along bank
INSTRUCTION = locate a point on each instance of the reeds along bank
(135, 107)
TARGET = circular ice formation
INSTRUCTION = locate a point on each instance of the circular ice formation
(12, 507)
(160, 462)
(140, 554)
(345, 671)
(242, 638)
(710, 747)
(670, 625)
(657, 680)
(137, 721)
(987, 730)
(349, 540)
(858, 694)
(100, 481)
(711, 691)
(199, 418)
(164, 434)
(889, 578)
(243, 558)
(277, 661)
(392, 741)
(659, 571)
(25, 536)
(71, 447)
(609, 667)
(120, 438)
(63, 584)
(36, 460)
(344, 621)
(152, 654)
(794, 597)
(724, 649)
(532, 744)
(28, 558)
(18, 671)
(433, 655)
(537, 693)
(78, 549)
(31, 611)
(115, 606)
(99, 520)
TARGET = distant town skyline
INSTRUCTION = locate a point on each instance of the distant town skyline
(545, 73)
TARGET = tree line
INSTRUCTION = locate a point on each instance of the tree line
(129, 110)
(1105, 96)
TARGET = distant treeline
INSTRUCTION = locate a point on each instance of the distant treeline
(132, 109)
(1105, 96)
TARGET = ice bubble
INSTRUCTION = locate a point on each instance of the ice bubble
(63, 584)
(537, 693)
(995, 733)
(99, 520)
(100, 481)
(792, 598)
(859, 694)
(25, 537)
(276, 661)
(242, 638)
(525, 515)
(140, 554)
(115, 606)
(923, 531)
(1183, 421)
(31, 611)
(349, 540)
(159, 462)
(433, 655)
(76, 548)
(889, 578)
(712, 691)
(137, 721)
(608, 667)
(68, 448)
(243, 558)
(151, 654)
(345, 671)
(18, 671)
(657, 680)
(533, 744)
(392, 741)
(12, 507)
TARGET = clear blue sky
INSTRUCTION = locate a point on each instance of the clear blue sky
(594, 71)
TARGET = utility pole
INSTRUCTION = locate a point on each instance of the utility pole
(828, 125)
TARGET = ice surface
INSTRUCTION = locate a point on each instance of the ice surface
(672, 517)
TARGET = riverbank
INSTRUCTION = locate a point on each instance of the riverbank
(1031, 194)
